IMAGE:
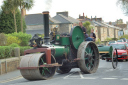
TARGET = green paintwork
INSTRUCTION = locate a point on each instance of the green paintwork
(64, 41)
(77, 37)
(111, 51)
(57, 37)
(60, 51)
(103, 48)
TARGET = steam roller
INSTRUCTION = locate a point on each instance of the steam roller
(60, 54)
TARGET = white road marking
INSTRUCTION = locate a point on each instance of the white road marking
(109, 78)
(81, 75)
(89, 78)
(68, 75)
(12, 79)
(124, 79)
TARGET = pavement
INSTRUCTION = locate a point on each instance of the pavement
(105, 75)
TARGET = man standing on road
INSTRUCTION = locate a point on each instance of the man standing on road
(84, 31)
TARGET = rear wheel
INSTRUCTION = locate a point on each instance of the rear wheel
(89, 55)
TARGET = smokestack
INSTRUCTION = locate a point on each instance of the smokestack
(46, 27)
(83, 13)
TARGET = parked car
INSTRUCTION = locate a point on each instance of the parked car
(121, 50)
(121, 40)
(111, 42)
(124, 39)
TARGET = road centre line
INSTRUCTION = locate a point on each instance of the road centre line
(12, 79)
(81, 75)
(68, 75)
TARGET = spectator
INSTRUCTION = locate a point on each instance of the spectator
(92, 35)
(84, 31)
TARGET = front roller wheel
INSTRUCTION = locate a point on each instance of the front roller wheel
(89, 55)
(35, 60)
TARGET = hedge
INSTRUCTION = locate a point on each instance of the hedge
(8, 51)
(21, 36)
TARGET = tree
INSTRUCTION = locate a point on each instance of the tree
(24, 4)
(7, 22)
(11, 6)
(124, 5)
(88, 27)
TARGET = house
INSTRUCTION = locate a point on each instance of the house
(66, 22)
(119, 23)
(102, 30)
(35, 22)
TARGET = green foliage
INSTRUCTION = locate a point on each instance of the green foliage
(22, 49)
(12, 39)
(8, 51)
(14, 45)
(41, 35)
(124, 36)
(124, 5)
(7, 22)
(88, 27)
(5, 51)
(2, 39)
(114, 38)
(98, 41)
(108, 39)
(23, 37)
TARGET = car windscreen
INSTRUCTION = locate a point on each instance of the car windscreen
(119, 46)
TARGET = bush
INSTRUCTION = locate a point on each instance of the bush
(14, 45)
(124, 36)
(5, 51)
(12, 39)
(8, 51)
(23, 37)
(22, 49)
(98, 41)
(2, 39)
(108, 39)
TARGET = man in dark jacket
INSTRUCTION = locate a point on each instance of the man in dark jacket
(92, 35)
(87, 38)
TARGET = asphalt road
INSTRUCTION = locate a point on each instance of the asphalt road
(105, 75)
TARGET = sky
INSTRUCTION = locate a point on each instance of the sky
(107, 9)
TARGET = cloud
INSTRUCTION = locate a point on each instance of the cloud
(48, 5)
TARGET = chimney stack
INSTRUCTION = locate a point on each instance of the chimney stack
(46, 27)
(95, 18)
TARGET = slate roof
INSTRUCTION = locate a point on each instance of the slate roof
(105, 25)
(37, 19)
(65, 20)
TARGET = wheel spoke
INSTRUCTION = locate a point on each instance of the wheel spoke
(87, 65)
(42, 60)
(86, 52)
(91, 52)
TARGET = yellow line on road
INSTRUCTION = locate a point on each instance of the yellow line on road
(12, 79)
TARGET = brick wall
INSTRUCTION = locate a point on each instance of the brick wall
(8, 65)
